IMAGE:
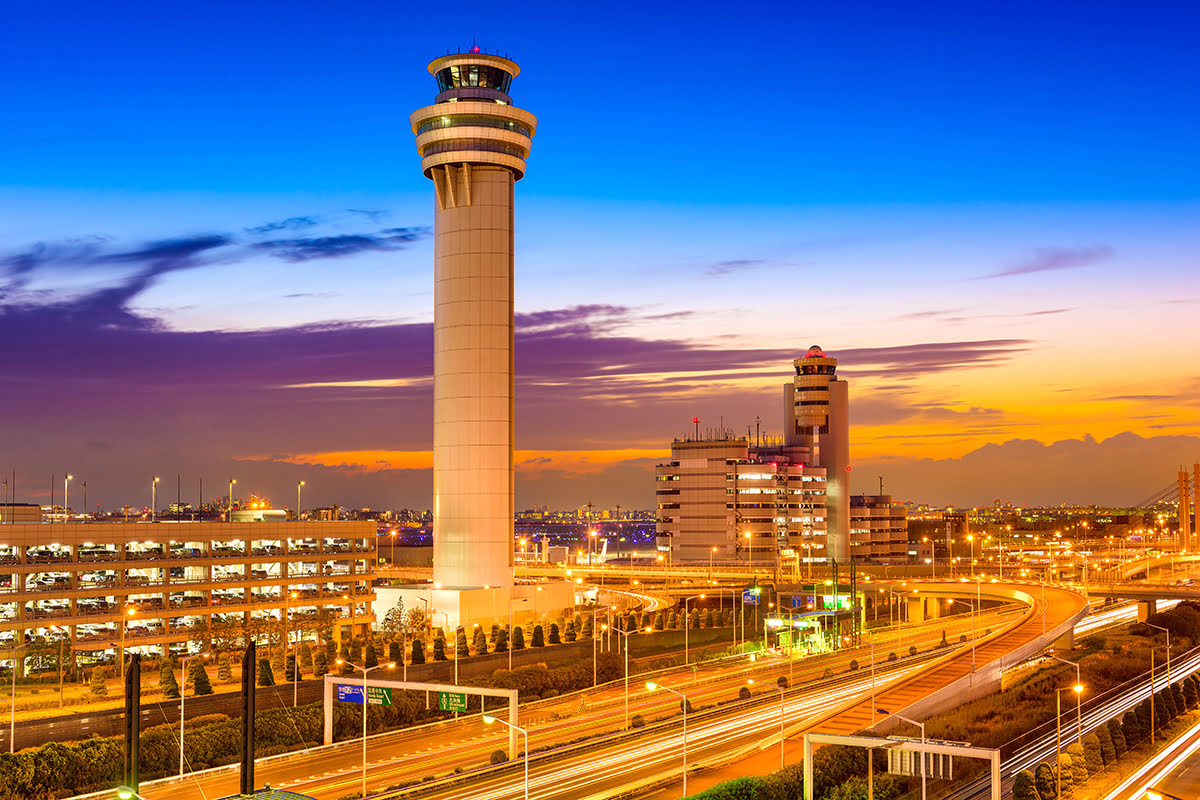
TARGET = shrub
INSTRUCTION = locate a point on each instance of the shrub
(439, 649)
(501, 641)
(1079, 770)
(554, 637)
(1108, 751)
(658, 621)
(570, 635)
(167, 682)
(892, 657)
(1066, 773)
(518, 638)
(637, 721)
(225, 667)
(320, 664)
(744, 693)
(1118, 737)
(912, 649)
(782, 681)
(550, 694)
(306, 655)
(1045, 781)
(1131, 730)
(497, 757)
(97, 685)
(200, 684)
(395, 652)
(538, 637)
(1092, 755)
(481, 646)
(962, 638)
(418, 651)
(853, 664)
(460, 640)
(266, 676)
(1024, 787)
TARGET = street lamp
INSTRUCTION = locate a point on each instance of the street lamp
(125, 793)
(66, 483)
(129, 612)
(1078, 694)
(779, 689)
(232, 481)
(488, 719)
(626, 635)
(1168, 633)
(183, 662)
(710, 563)
(154, 499)
(750, 562)
(364, 671)
(295, 650)
(298, 487)
(920, 725)
(1078, 689)
(652, 686)
(686, 625)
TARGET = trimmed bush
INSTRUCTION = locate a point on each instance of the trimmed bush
(1108, 752)
(1117, 736)
(538, 637)
(518, 638)
(320, 664)
(637, 721)
(266, 675)
(418, 651)
(1092, 756)
(167, 682)
(1025, 787)
(200, 684)
(497, 757)
(744, 693)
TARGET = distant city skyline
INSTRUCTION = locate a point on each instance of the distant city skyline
(217, 252)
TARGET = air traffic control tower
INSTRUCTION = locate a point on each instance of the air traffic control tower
(473, 143)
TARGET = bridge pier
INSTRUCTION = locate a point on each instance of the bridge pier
(921, 609)
(1146, 608)
(1066, 641)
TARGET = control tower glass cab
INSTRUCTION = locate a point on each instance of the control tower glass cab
(473, 144)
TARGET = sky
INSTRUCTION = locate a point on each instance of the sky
(216, 252)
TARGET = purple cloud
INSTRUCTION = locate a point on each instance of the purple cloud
(1048, 259)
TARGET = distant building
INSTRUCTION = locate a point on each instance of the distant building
(878, 529)
(20, 512)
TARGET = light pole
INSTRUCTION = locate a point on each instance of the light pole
(127, 614)
(298, 487)
(295, 651)
(971, 539)
(364, 671)
(489, 719)
(66, 484)
(1078, 694)
(392, 554)
(232, 481)
(920, 725)
(12, 714)
(154, 499)
(1168, 633)
(433, 615)
(750, 561)
(183, 662)
(1078, 689)
(710, 564)
(780, 690)
(626, 635)
(652, 686)
(687, 624)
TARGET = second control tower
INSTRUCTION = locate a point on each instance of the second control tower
(473, 144)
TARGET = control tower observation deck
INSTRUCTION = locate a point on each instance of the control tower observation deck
(473, 143)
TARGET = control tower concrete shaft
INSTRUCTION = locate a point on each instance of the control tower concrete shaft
(473, 144)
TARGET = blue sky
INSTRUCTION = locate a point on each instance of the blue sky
(734, 184)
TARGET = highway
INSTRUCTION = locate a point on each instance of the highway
(410, 755)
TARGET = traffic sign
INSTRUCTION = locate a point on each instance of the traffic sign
(750, 597)
(452, 701)
(376, 695)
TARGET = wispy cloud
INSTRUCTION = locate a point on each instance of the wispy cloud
(310, 248)
(722, 268)
(1049, 259)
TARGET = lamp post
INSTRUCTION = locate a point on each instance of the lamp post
(710, 564)
(154, 499)
(364, 671)
(290, 596)
(183, 662)
(652, 686)
(489, 719)
(971, 539)
(66, 484)
(299, 485)
(920, 725)
(128, 613)
(232, 481)
(750, 562)
(1078, 689)
(780, 690)
(12, 714)
(686, 625)
(433, 615)
(392, 551)
(1168, 633)
(626, 635)
(1078, 695)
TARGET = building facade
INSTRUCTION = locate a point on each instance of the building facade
(156, 587)
(722, 499)
(878, 529)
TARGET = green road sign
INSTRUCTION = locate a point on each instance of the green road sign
(379, 695)
(452, 701)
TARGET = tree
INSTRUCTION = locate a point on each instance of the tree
(1044, 779)
(1190, 695)
(278, 660)
(1066, 775)
(266, 676)
(199, 675)
(370, 656)
(481, 647)
(395, 652)
(1092, 755)
(1025, 787)
(693, 621)
(439, 649)
(587, 630)
(289, 667)
(460, 640)
(356, 650)
(418, 651)
(538, 640)
(1108, 751)
(415, 619)
(658, 621)
(518, 638)
(394, 620)
(320, 664)
(1118, 737)
(554, 638)
(306, 655)
(501, 641)
(1079, 770)
(570, 636)
(167, 682)
(224, 667)
(1131, 730)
